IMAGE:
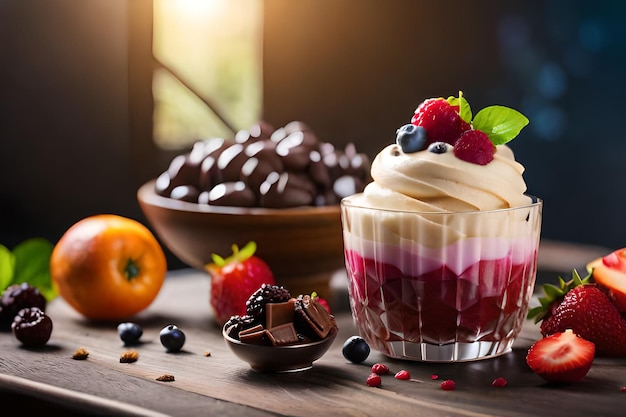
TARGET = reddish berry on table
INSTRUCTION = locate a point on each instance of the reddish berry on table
(561, 357)
(623, 389)
(380, 368)
(373, 380)
(402, 374)
(234, 279)
(448, 385)
(32, 327)
(475, 147)
(442, 121)
(434, 376)
(499, 382)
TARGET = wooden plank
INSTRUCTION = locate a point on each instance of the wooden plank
(222, 384)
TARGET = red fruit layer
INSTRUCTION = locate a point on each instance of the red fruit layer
(439, 307)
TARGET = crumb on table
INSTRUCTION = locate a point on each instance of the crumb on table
(80, 354)
(129, 356)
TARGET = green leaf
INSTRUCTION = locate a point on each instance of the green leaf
(465, 111)
(32, 265)
(500, 123)
(7, 265)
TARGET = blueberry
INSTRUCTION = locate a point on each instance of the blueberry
(129, 333)
(438, 147)
(172, 338)
(355, 349)
(411, 138)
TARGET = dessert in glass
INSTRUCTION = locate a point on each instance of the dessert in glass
(441, 247)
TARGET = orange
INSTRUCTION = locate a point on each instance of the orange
(108, 267)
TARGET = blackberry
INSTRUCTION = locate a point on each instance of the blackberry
(32, 327)
(238, 323)
(17, 297)
(255, 306)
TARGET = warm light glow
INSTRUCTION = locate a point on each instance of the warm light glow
(215, 47)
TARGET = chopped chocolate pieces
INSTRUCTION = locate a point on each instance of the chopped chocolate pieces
(283, 323)
(166, 378)
(311, 315)
(254, 335)
(284, 334)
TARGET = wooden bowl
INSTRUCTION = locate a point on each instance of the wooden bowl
(303, 246)
(291, 358)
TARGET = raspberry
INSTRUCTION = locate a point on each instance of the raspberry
(441, 120)
(448, 385)
(380, 368)
(373, 380)
(474, 146)
(434, 376)
(403, 375)
(499, 382)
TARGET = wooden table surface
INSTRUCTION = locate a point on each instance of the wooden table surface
(48, 380)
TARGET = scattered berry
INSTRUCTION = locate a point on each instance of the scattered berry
(474, 146)
(32, 327)
(499, 382)
(623, 389)
(434, 376)
(172, 338)
(561, 357)
(16, 297)
(438, 147)
(380, 368)
(355, 349)
(403, 375)
(373, 380)
(411, 138)
(129, 332)
(440, 119)
(448, 385)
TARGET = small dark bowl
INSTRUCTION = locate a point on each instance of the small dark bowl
(292, 358)
(303, 246)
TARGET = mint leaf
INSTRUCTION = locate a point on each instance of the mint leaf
(7, 264)
(500, 123)
(32, 265)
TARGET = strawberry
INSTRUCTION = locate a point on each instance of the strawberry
(474, 146)
(561, 357)
(585, 309)
(441, 120)
(234, 279)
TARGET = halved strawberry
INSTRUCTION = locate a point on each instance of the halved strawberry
(234, 279)
(609, 272)
(561, 357)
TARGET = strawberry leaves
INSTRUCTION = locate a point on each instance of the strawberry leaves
(553, 294)
(238, 255)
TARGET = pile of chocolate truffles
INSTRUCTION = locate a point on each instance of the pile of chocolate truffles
(266, 167)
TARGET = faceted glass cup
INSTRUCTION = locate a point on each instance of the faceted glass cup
(444, 286)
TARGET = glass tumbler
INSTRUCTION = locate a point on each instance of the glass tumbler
(440, 286)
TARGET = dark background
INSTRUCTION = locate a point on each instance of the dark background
(75, 100)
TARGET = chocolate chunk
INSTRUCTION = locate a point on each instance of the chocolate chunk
(254, 335)
(229, 194)
(312, 316)
(277, 314)
(285, 334)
